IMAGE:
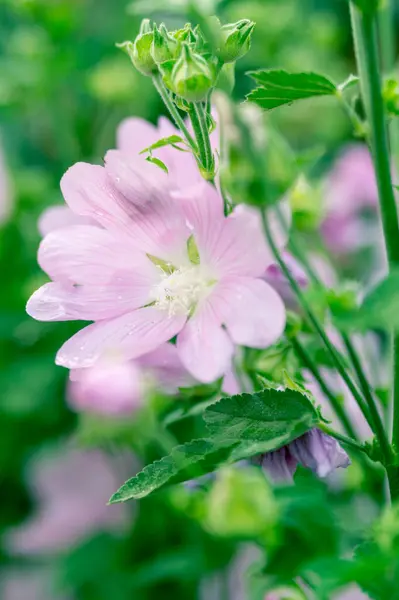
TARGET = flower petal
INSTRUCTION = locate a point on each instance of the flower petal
(63, 302)
(240, 247)
(251, 309)
(58, 217)
(84, 254)
(204, 347)
(135, 134)
(319, 452)
(128, 336)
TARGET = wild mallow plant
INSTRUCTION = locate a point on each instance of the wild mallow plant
(202, 294)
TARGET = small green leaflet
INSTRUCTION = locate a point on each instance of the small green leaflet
(158, 162)
(380, 308)
(240, 427)
(277, 88)
(171, 140)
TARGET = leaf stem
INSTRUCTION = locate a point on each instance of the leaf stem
(173, 111)
(334, 401)
(341, 438)
(366, 50)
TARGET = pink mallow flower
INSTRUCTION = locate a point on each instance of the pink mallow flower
(161, 261)
(117, 388)
(71, 491)
(351, 191)
(314, 450)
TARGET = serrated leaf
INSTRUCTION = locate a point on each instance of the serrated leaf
(263, 416)
(167, 141)
(158, 163)
(240, 427)
(279, 87)
(378, 311)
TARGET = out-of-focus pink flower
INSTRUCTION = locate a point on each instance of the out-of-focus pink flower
(28, 584)
(6, 194)
(351, 189)
(163, 262)
(71, 490)
(278, 280)
(117, 388)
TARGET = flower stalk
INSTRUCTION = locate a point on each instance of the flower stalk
(364, 26)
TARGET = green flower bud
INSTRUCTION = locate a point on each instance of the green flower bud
(140, 50)
(186, 34)
(236, 40)
(192, 76)
(164, 46)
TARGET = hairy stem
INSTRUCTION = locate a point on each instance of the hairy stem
(173, 111)
(315, 322)
(366, 49)
(334, 401)
(198, 119)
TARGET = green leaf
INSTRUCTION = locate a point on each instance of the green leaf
(378, 311)
(267, 416)
(158, 162)
(240, 427)
(280, 87)
(171, 140)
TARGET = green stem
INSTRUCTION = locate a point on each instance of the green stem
(314, 321)
(341, 438)
(198, 120)
(366, 49)
(173, 111)
(375, 415)
(334, 401)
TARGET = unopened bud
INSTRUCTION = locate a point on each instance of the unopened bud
(236, 40)
(164, 46)
(186, 34)
(140, 50)
(192, 76)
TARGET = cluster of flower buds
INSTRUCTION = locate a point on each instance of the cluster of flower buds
(188, 63)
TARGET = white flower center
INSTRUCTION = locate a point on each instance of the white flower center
(180, 291)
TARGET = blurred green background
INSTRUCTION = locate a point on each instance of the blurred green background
(64, 87)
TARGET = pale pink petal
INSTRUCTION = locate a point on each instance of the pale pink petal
(141, 182)
(65, 302)
(82, 254)
(127, 336)
(251, 309)
(202, 206)
(135, 134)
(240, 247)
(58, 217)
(204, 347)
(231, 385)
(109, 388)
(89, 192)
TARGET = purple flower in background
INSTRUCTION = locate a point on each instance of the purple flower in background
(314, 450)
(118, 388)
(71, 490)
